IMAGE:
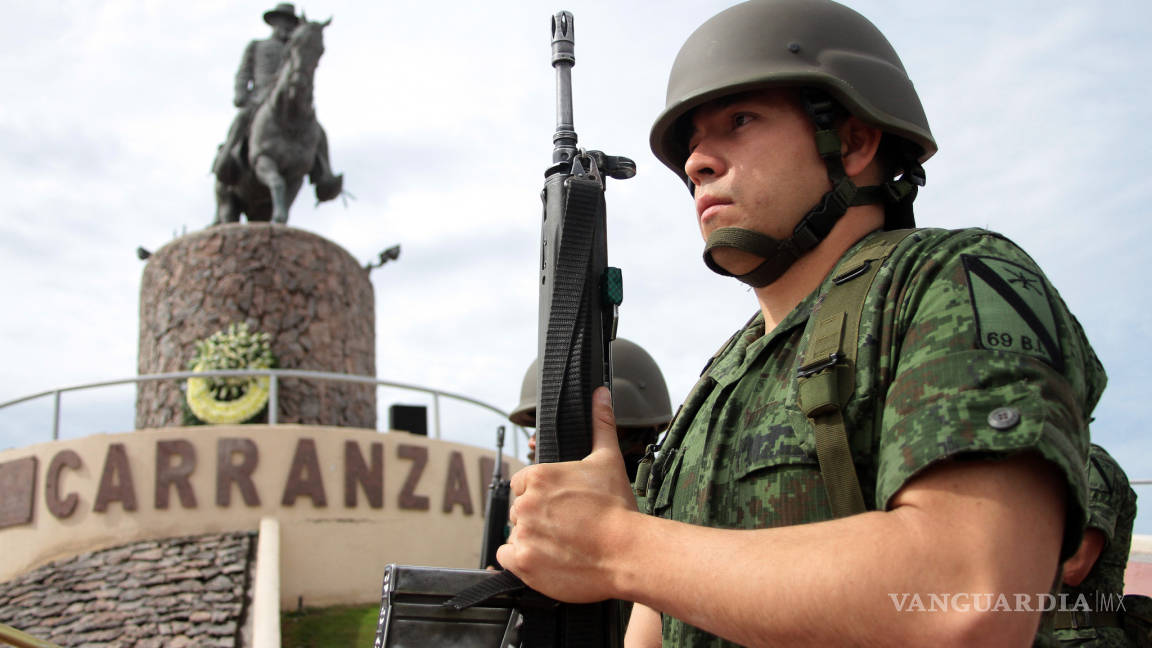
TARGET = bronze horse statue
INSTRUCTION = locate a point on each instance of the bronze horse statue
(285, 142)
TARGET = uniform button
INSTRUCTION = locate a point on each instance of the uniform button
(1004, 418)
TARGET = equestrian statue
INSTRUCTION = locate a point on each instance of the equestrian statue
(275, 139)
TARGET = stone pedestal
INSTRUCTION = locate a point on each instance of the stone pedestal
(312, 297)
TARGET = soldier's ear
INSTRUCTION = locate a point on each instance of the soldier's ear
(859, 143)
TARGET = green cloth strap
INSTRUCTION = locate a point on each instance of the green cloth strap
(827, 376)
(836, 467)
(779, 255)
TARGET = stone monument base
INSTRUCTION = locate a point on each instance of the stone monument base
(308, 293)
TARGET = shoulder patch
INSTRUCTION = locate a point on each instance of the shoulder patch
(1013, 309)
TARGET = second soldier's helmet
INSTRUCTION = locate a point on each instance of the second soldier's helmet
(639, 393)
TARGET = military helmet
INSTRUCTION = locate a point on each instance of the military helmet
(791, 43)
(525, 413)
(639, 393)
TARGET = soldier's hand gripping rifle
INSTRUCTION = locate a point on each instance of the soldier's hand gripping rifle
(579, 295)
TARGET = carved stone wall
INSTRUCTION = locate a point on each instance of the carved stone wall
(192, 591)
(312, 297)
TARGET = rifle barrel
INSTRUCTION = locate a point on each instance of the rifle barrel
(498, 473)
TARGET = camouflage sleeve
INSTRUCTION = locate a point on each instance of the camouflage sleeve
(1107, 485)
(986, 362)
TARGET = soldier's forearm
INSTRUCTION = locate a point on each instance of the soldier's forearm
(956, 530)
(643, 628)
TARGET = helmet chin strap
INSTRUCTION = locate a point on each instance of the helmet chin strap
(779, 255)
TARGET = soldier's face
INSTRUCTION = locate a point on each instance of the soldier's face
(754, 165)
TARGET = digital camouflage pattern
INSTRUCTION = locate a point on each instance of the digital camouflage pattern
(1112, 510)
(957, 325)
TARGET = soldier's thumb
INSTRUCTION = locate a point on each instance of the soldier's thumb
(603, 422)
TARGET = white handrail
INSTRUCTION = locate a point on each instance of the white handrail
(273, 392)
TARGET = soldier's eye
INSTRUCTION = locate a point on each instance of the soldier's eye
(693, 142)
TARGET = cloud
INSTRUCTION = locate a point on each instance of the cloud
(441, 120)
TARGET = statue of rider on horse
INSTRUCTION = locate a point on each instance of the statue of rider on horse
(275, 139)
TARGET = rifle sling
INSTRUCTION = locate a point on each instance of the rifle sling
(537, 610)
(564, 415)
(503, 582)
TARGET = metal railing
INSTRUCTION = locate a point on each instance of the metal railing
(273, 395)
(274, 376)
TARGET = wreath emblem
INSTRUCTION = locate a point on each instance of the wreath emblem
(230, 399)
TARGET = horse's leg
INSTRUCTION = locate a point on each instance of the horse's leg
(328, 185)
(292, 188)
(226, 210)
(269, 174)
(260, 212)
(229, 164)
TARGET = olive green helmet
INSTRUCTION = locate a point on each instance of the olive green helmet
(639, 393)
(525, 413)
(791, 43)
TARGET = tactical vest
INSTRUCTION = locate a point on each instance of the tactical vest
(825, 380)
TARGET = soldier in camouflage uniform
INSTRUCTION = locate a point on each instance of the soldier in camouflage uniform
(960, 384)
(255, 78)
(1097, 569)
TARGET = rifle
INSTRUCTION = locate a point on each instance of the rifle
(579, 300)
(496, 511)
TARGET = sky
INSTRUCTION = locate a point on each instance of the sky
(441, 118)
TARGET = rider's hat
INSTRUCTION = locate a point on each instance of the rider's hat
(286, 9)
